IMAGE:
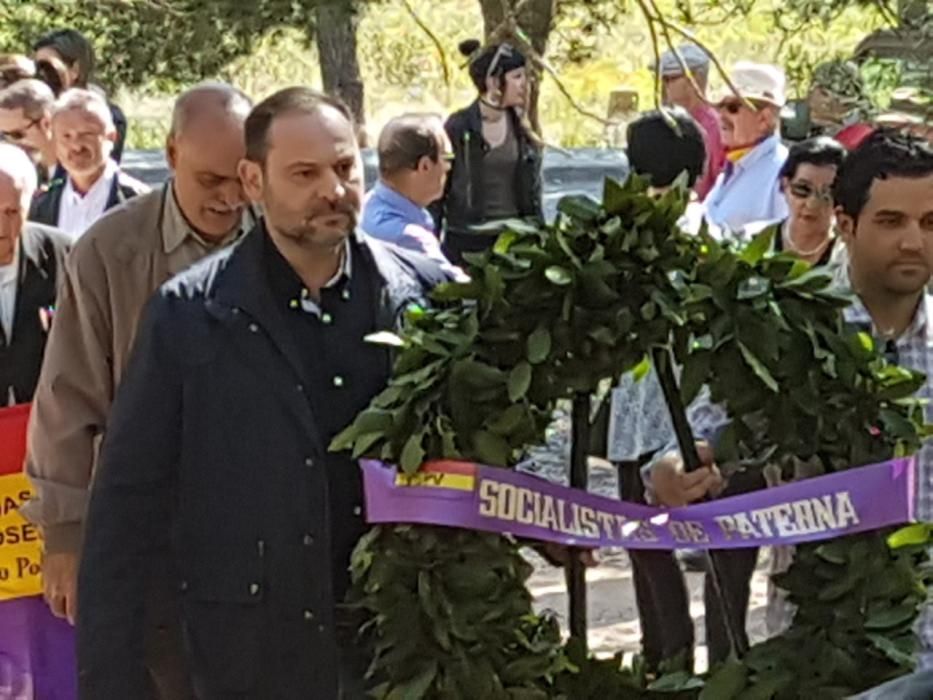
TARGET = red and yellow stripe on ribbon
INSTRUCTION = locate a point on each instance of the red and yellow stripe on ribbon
(441, 474)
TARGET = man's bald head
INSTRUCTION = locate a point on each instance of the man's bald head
(208, 101)
(17, 185)
(204, 148)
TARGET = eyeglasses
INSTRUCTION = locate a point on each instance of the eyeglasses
(736, 106)
(804, 190)
(20, 134)
(448, 157)
(732, 106)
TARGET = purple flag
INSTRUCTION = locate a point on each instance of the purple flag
(37, 652)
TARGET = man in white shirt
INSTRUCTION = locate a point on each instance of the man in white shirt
(84, 135)
(31, 270)
(748, 188)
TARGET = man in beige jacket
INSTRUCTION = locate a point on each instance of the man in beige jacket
(110, 275)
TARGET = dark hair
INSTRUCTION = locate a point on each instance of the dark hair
(886, 153)
(52, 74)
(492, 62)
(821, 150)
(661, 150)
(293, 99)
(405, 140)
(74, 49)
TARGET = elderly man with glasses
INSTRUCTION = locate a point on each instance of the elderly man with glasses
(26, 121)
(748, 189)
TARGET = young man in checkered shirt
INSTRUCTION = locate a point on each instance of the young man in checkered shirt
(884, 210)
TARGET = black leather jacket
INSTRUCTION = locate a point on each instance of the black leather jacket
(463, 204)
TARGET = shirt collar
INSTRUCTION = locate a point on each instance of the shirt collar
(101, 188)
(920, 327)
(176, 229)
(396, 200)
(756, 153)
(287, 287)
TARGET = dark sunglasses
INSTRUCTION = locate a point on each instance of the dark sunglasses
(736, 106)
(20, 134)
(803, 190)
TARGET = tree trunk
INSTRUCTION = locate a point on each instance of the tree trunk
(335, 35)
(536, 20)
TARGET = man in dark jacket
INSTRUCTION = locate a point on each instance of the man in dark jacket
(244, 368)
(84, 134)
(31, 271)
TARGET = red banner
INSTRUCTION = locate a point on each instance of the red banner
(13, 438)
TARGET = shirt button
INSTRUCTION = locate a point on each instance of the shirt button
(345, 295)
(293, 303)
(358, 510)
(183, 585)
(309, 462)
(307, 540)
(338, 381)
(305, 293)
(253, 328)
(308, 615)
(326, 319)
(254, 589)
(300, 388)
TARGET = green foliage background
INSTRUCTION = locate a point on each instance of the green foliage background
(149, 48)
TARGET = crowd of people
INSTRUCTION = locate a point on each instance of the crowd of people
(189, 351)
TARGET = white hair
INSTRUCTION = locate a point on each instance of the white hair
(15, 164)
(79, 99)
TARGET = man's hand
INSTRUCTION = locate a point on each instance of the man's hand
(673, 487)
(60, 584)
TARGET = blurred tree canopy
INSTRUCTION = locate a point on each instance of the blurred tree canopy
(170, 43)
(164, 44)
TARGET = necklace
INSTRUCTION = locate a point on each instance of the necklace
(790, 245)
(496, 116)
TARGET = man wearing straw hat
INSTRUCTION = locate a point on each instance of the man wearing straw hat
(748, 189)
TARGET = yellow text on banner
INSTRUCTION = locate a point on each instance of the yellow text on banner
(20, 545)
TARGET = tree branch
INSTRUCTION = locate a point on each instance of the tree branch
(680, 59)
(433, 37)
(658, 102)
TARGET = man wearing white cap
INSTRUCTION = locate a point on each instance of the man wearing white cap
(748, 189)
(679, 90)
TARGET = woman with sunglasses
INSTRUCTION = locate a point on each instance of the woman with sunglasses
(496, 173)
(807, 183)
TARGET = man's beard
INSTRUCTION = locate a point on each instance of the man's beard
(309, 231)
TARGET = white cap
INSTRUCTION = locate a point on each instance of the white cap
(692, 56)
(757, 81)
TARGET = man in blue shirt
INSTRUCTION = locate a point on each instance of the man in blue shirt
(414, 159)
(748, 188)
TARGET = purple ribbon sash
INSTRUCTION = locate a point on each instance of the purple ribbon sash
(477, 497)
